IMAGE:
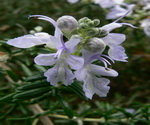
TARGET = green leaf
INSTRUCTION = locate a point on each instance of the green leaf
(34, 85)
(26, 70)
(25, 95)
(7, 98)
(77, 88)
(8, 111)
(43, 97)
(67, 109)
(35, 77)
(12, 75)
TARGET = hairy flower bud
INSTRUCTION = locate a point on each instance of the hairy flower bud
(84, 20)
(95, 45)
(93, 32)
(103, 32)
(67, 24)
(96, 22)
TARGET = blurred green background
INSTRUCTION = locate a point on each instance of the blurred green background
(131, 89)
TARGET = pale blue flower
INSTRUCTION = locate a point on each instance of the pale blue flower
(61, 60)
(28, 41)
(118, 11)
(113, 40)
(90, 74)
(108, 3)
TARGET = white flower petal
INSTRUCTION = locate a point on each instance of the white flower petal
(86, 54)
(114, 39)
(68, 77)
(102, 71)
(59, 73)
(128, 24)
(117, 53)
(71, 44)
(101, 88)
(96, 85)
(45, 59)
(105, 3)
(80, 74)
(116, 12)
(57, 42)
(25, 41)
(45, 37)
(75, 62)
(52, 76)
(111, 26)
(88, 87)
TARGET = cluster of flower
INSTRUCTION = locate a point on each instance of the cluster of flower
(146, 11)
(117, 7)
(76, 57)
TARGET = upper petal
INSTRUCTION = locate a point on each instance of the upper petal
(114, 39)
(57, 42)
(111, 26)
(58, 32)
(75, 62)
(117, 53)
(25, 41)
(45, 37)
(102, 71)
(45, 59)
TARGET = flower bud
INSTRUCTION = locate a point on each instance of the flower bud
(95, 45)
(90, 23)
(76, 37)
(103, 32)
(67, 24)
(96, 22)
(84, 20)
(83, 25)
(93, 32)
